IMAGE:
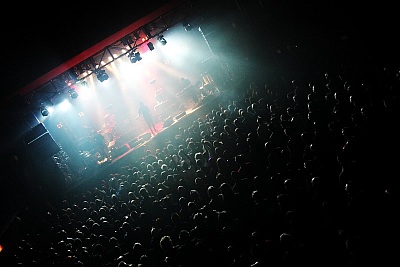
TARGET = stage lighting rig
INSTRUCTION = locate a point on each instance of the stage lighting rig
(73, 93)
(187, 26)
(102, 75)
(162, 40)
(150, 46)
(134, 56)
(43, 110)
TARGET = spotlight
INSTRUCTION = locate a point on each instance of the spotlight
(150, 46)
(187, 26)
(102, 75)
(162, 39)
(73, 93)
(134, 56)
(44, 110)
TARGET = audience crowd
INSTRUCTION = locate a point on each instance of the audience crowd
(283, 172)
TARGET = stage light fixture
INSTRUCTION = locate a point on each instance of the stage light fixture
(187, 26)
(161, 39)
(73, 93)
(150, 46)
(102, 75)
(44, 110)
(134, 56)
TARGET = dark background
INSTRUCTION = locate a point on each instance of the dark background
(38, 37)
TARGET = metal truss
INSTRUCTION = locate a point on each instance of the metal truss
(61, 83)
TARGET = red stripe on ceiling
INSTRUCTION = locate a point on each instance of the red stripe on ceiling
(98, 47)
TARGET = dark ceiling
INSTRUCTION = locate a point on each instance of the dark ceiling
(38, 37)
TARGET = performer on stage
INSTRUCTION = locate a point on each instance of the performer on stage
(145, 112)
(100, 143)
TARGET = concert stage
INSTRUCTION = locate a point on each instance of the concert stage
(135, 148)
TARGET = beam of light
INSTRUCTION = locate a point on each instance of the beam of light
(64, 106)
(129, 83)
